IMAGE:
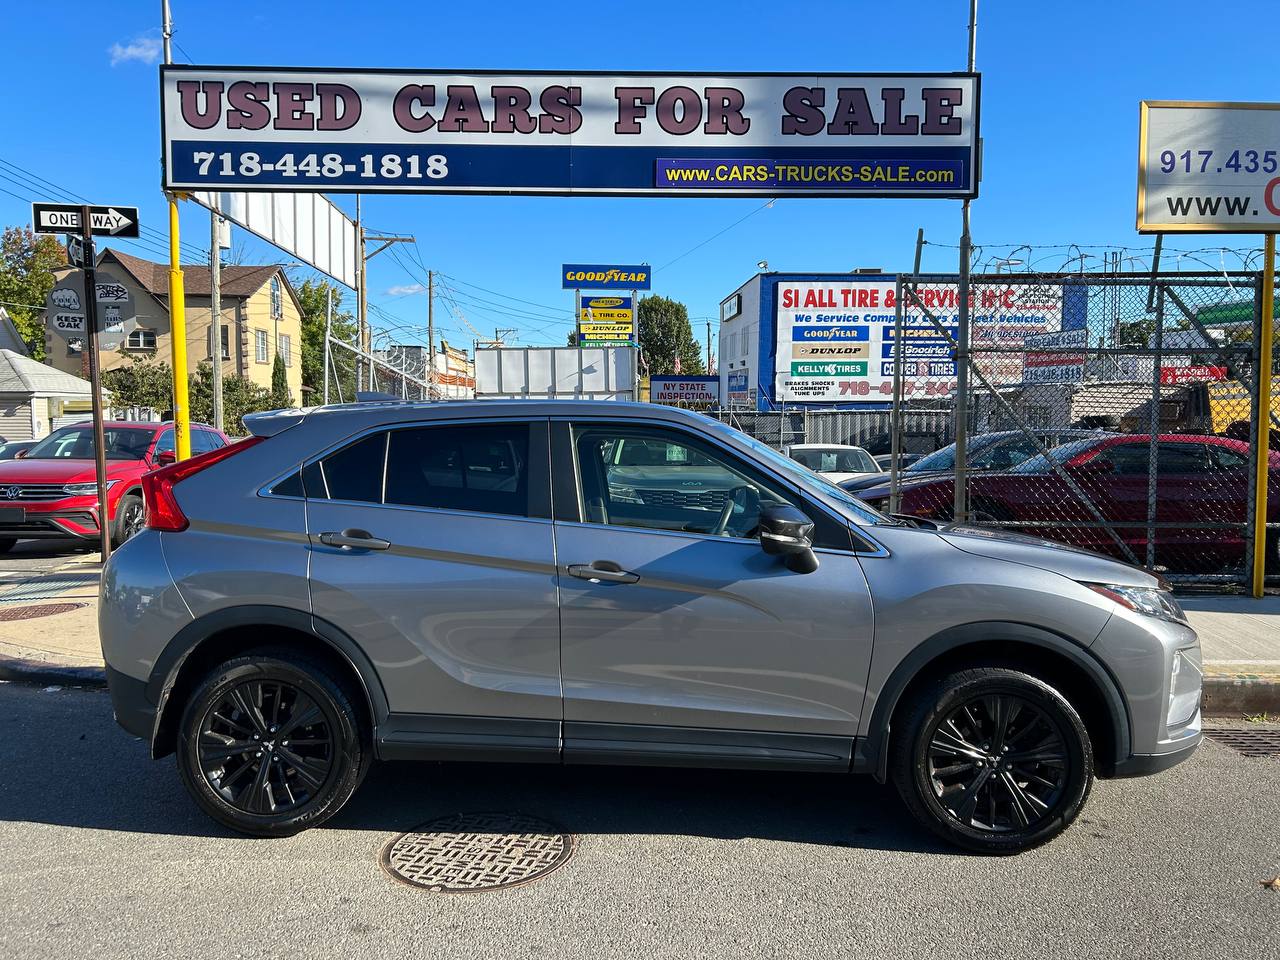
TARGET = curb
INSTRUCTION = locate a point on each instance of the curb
(1236, 695)
(39, 671)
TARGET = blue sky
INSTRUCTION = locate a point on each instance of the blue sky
(1061, 86)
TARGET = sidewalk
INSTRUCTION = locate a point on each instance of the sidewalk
(56, 639)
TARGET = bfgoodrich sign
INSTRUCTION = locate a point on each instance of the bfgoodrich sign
(249, 128)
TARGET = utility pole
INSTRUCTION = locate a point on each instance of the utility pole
(215, 309)
(431, 334)
(708, 347)
(364, 354)
(960, 508)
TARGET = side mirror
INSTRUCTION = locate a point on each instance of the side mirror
(786, 532)
(20, 454)
(164, 457)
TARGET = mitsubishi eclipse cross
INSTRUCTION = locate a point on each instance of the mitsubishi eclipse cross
(611, 583)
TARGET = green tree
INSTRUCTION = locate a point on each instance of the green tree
(240, 395)
(665, 334)
(27, 262)
(143, 383)
(279, 384)
(313, 295)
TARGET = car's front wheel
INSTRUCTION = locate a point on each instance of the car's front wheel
(993, 760)
(131, 516)
(271, 743)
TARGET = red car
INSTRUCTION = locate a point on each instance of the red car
(1099, 499)
(51, 492)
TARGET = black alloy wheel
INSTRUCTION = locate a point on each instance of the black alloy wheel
(131, 517)
(271, 742)
(265, 747)
(992, 759)
(998, 763)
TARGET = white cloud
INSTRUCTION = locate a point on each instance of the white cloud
(409, 290)
(145, 49)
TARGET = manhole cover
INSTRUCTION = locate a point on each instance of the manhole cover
(469, 852)
(43, 610)
(1255, 742)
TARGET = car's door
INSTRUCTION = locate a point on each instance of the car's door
(431, 547)
(680, 639)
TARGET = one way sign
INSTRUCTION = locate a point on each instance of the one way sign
(65, 218)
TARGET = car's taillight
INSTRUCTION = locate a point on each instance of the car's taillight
(163, 512)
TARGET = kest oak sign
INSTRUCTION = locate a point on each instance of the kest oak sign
(243, 128)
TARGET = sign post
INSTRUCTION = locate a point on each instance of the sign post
(1209, 167)
(95, 380)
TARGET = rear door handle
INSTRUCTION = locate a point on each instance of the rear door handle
(602, 571)
(354, 539)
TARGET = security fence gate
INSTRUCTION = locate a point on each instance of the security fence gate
(1132, 401)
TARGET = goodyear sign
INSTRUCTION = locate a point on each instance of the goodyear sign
(606, 321)
(604, 276)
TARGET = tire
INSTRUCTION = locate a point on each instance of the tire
(7, 544)
(302, 786)
(935, 774)
(989, 511)
(130, 518)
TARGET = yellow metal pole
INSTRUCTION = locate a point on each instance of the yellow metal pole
(1263, 474)
(178, 341)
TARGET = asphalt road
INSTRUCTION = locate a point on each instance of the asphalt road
(40, 556)
(103, 856)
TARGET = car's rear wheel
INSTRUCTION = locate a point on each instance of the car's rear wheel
(6, 543)
(271, 743)
(993, 760)
(131, 516)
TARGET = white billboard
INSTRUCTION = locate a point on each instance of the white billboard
(835, 339)
(304, 225)
(1208, 167)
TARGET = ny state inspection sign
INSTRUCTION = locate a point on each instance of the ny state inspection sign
(646, 134)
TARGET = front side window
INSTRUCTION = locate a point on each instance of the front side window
(165, 443)
(664, 480)
(480, 468)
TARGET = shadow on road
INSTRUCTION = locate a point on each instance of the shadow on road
(63, 761)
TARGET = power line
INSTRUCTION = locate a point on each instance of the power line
(718, 234)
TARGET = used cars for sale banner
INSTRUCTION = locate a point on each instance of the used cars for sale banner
(417, 131)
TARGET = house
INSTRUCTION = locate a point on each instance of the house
(36, 399)
(10, 339)
(261, 316)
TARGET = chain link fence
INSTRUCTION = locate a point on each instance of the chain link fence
(1114, 413)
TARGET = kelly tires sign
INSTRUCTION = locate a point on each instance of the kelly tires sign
(654, 134)
(1209, 167)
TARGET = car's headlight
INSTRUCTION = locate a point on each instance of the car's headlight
(1146, 600)
(1185, 679)
(624, 494)
(85, 489)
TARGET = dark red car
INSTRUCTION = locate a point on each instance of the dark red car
(51, 492)
(1099, 498)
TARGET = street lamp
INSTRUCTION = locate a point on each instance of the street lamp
(763, 266)
(1008, 262)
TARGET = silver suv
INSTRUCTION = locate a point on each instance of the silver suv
(613, 583)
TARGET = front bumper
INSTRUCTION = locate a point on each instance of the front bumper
(71, 518)
(1145, 764)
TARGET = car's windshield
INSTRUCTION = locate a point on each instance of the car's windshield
(76, 443)
(945, 458)
(1061, 454)
(805, 477)
(835, 459)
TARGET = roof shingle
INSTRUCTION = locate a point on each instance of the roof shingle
(154, 277)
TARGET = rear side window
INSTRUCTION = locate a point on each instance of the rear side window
(482, 468)
(352, 473)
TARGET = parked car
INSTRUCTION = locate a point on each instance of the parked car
(1099, 498)
(514, 580)
(835, 461)
(52, 493)
(985, 451)
(13, 449)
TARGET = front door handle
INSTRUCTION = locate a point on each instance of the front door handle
(602, 571)
(354, 539)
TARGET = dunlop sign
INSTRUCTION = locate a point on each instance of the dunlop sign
(651, 134)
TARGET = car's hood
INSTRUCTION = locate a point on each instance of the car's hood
(906, 481)
(62, 470)
(1068, 561)
(837, 476)
(865, 480)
